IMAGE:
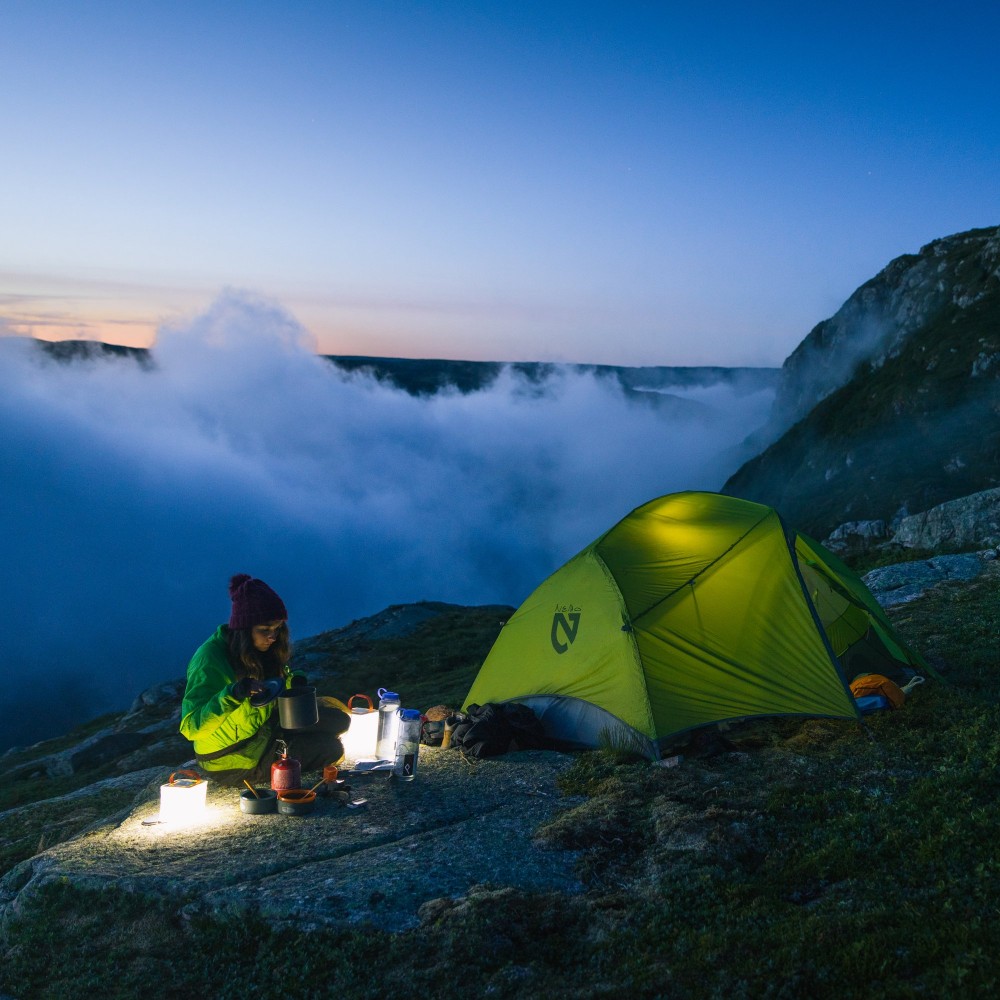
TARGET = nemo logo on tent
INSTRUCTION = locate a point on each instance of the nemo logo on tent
(566, 622)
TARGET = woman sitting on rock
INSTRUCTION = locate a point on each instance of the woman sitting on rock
(234, 735)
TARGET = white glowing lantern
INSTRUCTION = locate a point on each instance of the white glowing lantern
(359, 740)
(183, 799)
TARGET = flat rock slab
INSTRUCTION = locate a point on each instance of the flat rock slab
(458, 825)
(903, 582)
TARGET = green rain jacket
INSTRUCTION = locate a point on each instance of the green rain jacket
(228, 733)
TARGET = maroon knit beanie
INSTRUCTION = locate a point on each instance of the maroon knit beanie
(254, 603)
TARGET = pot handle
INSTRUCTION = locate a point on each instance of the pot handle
(371, 705)
(190, 774)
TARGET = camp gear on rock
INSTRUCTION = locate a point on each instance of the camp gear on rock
(693, 609)
(876, 684)
(432, 734)
(388, 704)
(362, 734)
(407, 744)
(254, 603)
(297, 707)
(183, 797)
(338, 789)
(286, 772)
(490, 730)
(258, 802)
(362, 767)
(446, 734)
(296, 801)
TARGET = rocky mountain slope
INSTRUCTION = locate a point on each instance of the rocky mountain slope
(893, 404)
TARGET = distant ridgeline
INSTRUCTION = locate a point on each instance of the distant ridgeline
(427, 376)
(894, 402)
(84, 350)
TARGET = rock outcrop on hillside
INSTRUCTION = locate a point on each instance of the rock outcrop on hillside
(894, 402)
(967, 522)
(971, 522)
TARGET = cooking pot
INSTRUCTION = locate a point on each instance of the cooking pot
(297, 707)
(265, 801)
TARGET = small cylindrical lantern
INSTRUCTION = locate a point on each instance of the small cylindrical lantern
(359, 740)
(183, 798)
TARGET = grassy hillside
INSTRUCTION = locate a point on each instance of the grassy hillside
(780, 859)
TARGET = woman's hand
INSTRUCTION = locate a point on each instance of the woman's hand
(245, 687)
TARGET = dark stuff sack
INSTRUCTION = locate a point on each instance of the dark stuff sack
(493, 729)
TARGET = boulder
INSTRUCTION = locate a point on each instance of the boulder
(168, 693)
(969, 522)
(857, 536)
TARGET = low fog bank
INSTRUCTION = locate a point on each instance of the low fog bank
(129, 495)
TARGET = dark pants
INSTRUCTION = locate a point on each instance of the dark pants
(320, 744)
(313, 748)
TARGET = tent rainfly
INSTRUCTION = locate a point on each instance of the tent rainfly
(696, 608)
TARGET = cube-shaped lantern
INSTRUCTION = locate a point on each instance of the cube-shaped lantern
(183, 798)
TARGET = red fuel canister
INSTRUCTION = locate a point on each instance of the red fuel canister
(286, 772)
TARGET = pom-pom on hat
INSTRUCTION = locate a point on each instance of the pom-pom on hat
(254, 603)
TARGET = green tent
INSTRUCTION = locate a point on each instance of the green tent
(695, 608)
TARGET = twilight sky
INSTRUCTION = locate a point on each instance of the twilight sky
(623, 183)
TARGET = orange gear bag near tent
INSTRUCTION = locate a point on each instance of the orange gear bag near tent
(869, 684)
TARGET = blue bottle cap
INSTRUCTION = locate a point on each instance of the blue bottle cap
(409, 714)
(387, 695)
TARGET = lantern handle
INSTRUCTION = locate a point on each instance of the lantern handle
(371, 704)
(191, 774)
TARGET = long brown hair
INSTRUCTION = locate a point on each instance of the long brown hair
(249, 661)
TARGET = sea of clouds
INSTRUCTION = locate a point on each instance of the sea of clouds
(129, 495)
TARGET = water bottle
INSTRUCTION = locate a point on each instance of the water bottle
(407, 744)
(388, 705)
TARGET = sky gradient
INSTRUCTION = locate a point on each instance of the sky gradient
(619, 183)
